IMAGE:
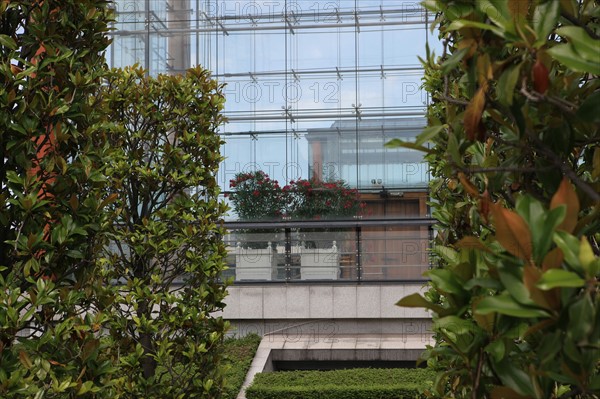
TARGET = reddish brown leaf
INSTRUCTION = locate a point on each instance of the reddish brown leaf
(540, 77)
(553, 259)
(25, 360)
(471, 242)
(473, 113)
(566, 195)
(539, 326)
(484, 206)
(15, 69)
(519, 8)
(512, 232)
(55, 363)
(546, 299)
(468, 186)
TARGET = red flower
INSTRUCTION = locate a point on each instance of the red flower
(255, 193)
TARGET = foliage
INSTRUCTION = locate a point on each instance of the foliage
(316, 199)
(51, 199)
(256, 196)
(239, 353)
(340, 384)
(515, 301)
(162, 268)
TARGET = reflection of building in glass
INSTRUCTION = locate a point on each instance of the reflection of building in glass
(355, 151)
(315, 88)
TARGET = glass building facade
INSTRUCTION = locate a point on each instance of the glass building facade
(314, 89)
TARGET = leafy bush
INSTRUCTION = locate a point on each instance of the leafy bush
(316, 199)
(515, 156)
(341, 384)
(162, 267)
(256, 197)
(51, 199)
(239, 353)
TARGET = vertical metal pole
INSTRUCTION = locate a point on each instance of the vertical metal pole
(147, 47)
(358, 253)
(288, 254)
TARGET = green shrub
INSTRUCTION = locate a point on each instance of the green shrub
(515, 167)
(341, 384)
(238, 354)
(162, 268)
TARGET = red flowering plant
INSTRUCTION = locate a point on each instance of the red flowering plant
(315, 199)
(256, 197)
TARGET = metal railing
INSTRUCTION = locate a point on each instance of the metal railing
(329, 250)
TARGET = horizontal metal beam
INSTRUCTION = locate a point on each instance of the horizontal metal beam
(251, 28)
(326, 224)
(330, 71)
(258, 117)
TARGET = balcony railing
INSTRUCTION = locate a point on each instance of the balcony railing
(328, 250)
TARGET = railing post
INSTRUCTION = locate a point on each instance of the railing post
(358, 253)
(288, 254)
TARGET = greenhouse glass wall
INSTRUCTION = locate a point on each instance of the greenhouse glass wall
(314, 90)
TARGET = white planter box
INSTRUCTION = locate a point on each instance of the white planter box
(320, 263)
(253, 264)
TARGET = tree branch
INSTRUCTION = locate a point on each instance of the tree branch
(534, 96)
(567, 171)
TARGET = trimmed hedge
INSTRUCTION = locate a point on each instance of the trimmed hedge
(341, 384)
(239, 353)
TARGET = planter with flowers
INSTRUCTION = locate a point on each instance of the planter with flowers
(256, 197)
(321, 200)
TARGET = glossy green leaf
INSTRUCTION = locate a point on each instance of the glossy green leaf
(545, 17)
(454, 59)
(428, 134)
(512, 279)
(395, 143)
(582, 317)
(514, 377)
(496, 349)
(455, 325)
(497, 11)
(8, 41)
(418, 301)
(569, 245)
(504, 304)
(459, 24)
(586, 46)
(570, 57)
(507, 83)
(559, 278)
(445, 281)
(448, 254)
(484, 283)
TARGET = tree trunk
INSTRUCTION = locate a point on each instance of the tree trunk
(147, 361)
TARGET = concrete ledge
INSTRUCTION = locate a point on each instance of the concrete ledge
(311, 301)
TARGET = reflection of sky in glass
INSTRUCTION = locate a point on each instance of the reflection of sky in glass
(295, 74)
